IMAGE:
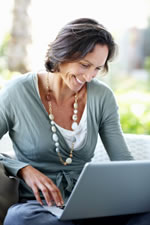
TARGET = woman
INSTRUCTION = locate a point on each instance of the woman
(53, 119)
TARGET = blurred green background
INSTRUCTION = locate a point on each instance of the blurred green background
(27, 26)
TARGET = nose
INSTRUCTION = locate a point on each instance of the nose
(89, 76)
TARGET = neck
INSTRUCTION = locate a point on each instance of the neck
(59, 89)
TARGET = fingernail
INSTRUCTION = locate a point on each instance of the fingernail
(58, 203)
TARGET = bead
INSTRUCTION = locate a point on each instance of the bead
(68, 160)
(56, 144)
(53, 129)
(55, 137)
(51, 116)
(74, 125)
(75, 111)
(74, 117)
(75, 105)
(57, 150)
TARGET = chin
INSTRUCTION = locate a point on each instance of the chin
(74, 86)
(76, 89)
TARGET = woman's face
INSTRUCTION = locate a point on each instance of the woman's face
(76, 74)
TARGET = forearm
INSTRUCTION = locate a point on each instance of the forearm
(12, 165)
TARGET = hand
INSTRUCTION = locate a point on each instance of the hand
(38, 181)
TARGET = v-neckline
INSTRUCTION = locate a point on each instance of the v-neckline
(61, 138)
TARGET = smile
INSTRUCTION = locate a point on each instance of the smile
(79, 81)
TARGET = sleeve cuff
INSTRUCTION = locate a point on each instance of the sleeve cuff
(12, 165)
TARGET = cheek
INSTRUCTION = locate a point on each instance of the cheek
(78, 71)
(72, 70)
(64, 68)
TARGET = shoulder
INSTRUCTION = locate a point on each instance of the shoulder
(99, 88)
(101, 96)
(101, 100)
(20, 84)
(20, 80)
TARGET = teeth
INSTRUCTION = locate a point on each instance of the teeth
(79, 81)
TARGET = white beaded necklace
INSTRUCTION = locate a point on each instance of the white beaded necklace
(54, 130)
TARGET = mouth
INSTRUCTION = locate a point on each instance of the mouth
(79, 81)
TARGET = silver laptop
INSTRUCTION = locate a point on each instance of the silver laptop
(108, 189)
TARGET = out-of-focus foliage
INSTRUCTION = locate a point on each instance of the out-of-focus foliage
(5, 74)
(134, 109)
(3, 53)
(4, 45)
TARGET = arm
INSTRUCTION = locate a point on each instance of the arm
(6, 124)
(110, 130)
(36, 180)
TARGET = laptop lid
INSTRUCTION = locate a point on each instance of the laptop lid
(109, 188)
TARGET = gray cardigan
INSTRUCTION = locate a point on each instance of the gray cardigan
(23, 115)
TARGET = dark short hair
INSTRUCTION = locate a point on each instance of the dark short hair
(75, 40)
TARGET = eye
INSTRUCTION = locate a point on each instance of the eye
(84, 65)
(100, 68)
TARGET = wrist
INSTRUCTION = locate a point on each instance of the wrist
(22, 171)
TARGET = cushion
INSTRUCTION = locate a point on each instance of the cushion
(8, 192)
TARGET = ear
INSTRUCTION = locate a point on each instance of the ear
(57, 68)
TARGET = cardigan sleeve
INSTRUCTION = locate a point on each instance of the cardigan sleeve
(110, 130)
(6, 124)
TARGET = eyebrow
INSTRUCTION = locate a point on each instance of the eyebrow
(92, 63)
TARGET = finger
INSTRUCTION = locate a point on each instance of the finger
(37, 194)
(60, 197)
(47, 195)
(56, 195)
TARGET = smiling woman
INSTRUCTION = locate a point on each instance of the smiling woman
(54, 131)
(77, 39)
(75, 74)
